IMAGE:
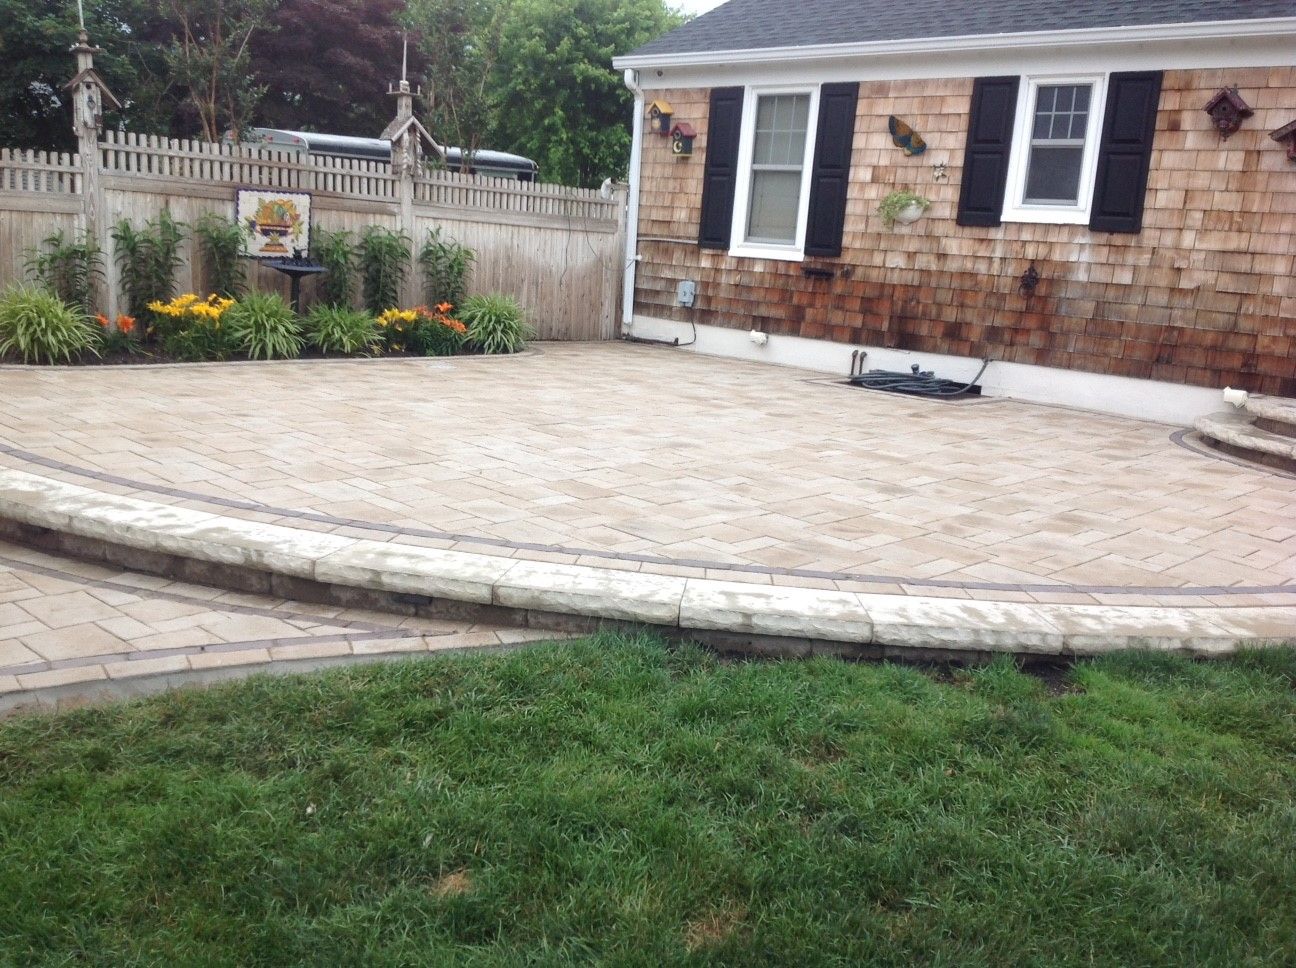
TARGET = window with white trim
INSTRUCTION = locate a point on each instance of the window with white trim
(775, 157)
(1055, 149)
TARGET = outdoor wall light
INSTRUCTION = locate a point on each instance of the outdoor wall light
(1029, 280)
(1228, 111)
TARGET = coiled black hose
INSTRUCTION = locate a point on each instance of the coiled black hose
(915, 382)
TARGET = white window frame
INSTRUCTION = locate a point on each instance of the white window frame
(1015, 208)
(739, 246)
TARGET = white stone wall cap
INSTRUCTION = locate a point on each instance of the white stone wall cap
(961, 623)
(806, 613)
(394, 567)
(599, 592)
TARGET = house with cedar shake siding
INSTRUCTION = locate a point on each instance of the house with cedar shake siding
(1112, 218)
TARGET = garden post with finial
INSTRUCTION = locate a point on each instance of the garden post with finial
(90, 95)
(403, 133)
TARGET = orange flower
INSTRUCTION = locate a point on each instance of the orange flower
(102, 320)
(444, 307)
(124, 323)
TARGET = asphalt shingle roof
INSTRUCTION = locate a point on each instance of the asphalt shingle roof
(761, 24)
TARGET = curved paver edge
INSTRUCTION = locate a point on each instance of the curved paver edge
(707, 605)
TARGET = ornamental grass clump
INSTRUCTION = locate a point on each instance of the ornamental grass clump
(336, 329)
(423, 331)
(190, 327)
(262, 326)
(39, 327)
(496, 323)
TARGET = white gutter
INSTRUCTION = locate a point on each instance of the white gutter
(1212, 30)
(632, 213)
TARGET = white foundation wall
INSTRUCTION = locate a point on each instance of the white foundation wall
(1167, 403)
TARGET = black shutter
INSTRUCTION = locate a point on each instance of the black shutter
(989, 142)
(831, 173)
(1125, 152)
(723, 131)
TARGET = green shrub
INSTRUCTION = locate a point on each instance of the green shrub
(264, 327)
(336, 329)
(120, 338)
(148, 258)
(445, 265)
(496, 323)
(68, 269)
(41, 328)
(384, 260)
(431, 337)
(333, 250)
(199, 341)
(221, 242)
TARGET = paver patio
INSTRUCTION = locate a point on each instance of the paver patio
(69, 624)
(657, 460)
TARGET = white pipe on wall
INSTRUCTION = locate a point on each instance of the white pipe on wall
(632, 215)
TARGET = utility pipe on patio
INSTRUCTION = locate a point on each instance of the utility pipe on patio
(632, 215)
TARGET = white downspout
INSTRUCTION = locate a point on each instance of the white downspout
(632, 214)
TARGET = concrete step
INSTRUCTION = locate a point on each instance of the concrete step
(1236, 433)
(1277, 415)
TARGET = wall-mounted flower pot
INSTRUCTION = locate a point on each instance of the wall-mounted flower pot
(910, 214)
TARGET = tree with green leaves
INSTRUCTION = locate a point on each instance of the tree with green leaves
(460, 42)
(557, 98)
(211, 59)
(35, 63)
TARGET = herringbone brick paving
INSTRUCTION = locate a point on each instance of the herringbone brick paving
(659, 460)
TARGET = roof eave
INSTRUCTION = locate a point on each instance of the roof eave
(1095, 36)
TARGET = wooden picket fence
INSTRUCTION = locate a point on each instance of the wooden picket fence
(558, 249)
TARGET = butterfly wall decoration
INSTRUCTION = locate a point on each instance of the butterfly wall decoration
(906, 137)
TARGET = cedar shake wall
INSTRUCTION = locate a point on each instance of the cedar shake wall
(1203, 295)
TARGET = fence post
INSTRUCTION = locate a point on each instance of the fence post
(614, 271)
(406, 136)
(89, 96)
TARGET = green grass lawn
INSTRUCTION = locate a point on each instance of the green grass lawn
(611, 801)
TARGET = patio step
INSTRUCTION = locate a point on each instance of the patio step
(298, 564)
(1239, 433)
(1274, 414)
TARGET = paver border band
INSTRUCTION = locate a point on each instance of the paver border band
(1207, 591)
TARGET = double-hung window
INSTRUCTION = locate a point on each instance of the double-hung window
(1055, 149)
(774, 162)
(1069, 150)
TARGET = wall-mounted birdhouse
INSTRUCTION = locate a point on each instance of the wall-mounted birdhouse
(659, 117)
(682, 136)
(1286, 135)
(1227, 111)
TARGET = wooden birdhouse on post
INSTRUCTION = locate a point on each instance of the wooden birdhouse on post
(682, 136)
(659, 117)
(90, 94)
(1227, 111)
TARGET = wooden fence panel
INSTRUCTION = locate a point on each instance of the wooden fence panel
(557, 249)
